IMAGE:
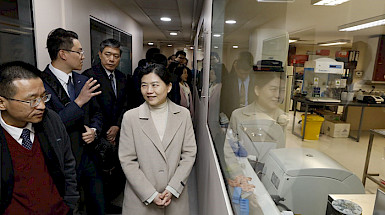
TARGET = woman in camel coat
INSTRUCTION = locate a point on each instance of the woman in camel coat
(157, 150)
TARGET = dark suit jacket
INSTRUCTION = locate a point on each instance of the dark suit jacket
(111, 106)
(55, 145)
(73, 117)
(230, 94)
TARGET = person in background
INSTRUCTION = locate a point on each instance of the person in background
(159, 59)
(72, 97)
(170, 59)
(118, 95)
(157, 149)
(235, 89)
(37, 165)
(184, 89)
(219, 68)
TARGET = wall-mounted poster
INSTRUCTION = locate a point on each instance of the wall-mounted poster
(101, 31)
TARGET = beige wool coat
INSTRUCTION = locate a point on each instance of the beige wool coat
(151, 165)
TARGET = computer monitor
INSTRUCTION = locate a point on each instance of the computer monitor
(379, 205)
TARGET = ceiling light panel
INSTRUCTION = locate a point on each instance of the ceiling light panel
(279, 1)
(165, 19)
(230, 21)
(328, 2)
(363, 24)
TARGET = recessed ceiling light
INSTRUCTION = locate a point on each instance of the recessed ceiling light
(292, 41)
(169, 45)
(165, 19)
(173, 33)
(235, 47)
(150, 44)
(215, 47)
(230, 21)
(216, 35)
(328, 2)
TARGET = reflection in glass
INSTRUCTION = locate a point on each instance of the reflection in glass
(16, 31)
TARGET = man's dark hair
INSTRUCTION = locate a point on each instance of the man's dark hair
(150, 53)
(245, 61)
(169, 58)
(15, 70)
(157, 69)
(60, 39)
(180, 53)
(110, 43)
(159, 59)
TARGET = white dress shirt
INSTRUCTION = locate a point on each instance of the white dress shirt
(108, 74)
(15, 132)
(62, 77)
(246, 83)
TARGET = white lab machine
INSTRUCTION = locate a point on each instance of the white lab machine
(322, 78)
(304, 177)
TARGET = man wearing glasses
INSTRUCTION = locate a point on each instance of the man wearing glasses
(72, 98)
(37, 165)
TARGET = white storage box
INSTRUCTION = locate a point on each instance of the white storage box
(336, 128)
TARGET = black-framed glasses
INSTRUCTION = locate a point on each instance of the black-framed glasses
(33, 102)
(79, 52)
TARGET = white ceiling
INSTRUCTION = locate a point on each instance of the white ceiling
(302, 20)
(184, 14)
(311, 24)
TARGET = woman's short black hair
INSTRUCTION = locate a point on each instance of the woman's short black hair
(159, 70)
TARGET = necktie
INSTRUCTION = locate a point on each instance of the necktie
(242, 95)
(111, 77)
(71, 89)
(26, 143)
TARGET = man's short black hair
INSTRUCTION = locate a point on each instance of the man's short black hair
(59, 39)
(150, 53)
(180, 53)
(15, 70)
(109, 43)
(159, 59)
(170, 57)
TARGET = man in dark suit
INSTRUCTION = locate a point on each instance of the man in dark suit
(238, 89)
(72, 98)
(37, 168)
(118, 95)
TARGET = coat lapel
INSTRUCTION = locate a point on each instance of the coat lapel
(77, 83)
(174, 121)
(149, 129)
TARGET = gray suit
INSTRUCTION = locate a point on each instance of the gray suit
(151, 164)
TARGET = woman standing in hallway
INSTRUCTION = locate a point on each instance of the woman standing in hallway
(157, 149)
(184, 89)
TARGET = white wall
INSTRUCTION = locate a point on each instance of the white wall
(75, 15)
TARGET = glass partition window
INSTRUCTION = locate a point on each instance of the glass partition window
(101, 31)
(257, 48)
(16, 31)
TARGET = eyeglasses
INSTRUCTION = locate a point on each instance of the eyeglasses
(79, 52)
(33, 102)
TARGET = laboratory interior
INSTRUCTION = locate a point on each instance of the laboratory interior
(288, 95)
